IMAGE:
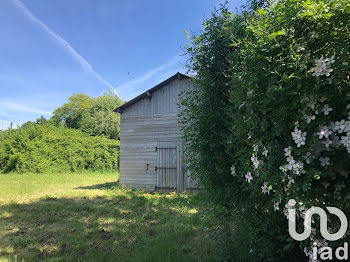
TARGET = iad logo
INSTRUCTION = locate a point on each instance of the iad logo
(323, 222)
(326, 252)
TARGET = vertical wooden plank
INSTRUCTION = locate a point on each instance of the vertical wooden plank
(165, 162)
(169, 91)
(158, 164)
(170, 163)
(179, 186)
(162, 165)
(175, 165)
(168, 171)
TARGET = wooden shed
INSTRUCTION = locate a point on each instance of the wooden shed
(151, 147)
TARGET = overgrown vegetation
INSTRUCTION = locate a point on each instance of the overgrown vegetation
(83, 134)
(89, 217)
(270, 120)
(47, 148)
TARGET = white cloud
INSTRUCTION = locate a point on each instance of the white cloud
(11, 106)
(63, 43)
(133, 84)
(4, 124)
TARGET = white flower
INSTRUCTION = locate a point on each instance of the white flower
(290, 159)
(324, 132)
(291, 163)
(233, 170)
(296, 167)
(256, 162)
(324, 161)
(284, 168)
(255, 148)
(341, 126)
(276, 205)
(250, 93)
(323, 67)
(326, 109)
(248, 177)
(345, 140)
(265, 188)
(290, 181)
(331, 60)
(265, 152)
(299, 137)
(299, 168)
(287, 151)
(309, 118)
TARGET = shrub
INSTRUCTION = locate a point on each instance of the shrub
(44, 148)
(270, 121)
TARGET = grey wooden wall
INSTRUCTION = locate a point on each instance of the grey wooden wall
(144, 125)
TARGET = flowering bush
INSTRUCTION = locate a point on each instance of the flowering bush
(274, 97)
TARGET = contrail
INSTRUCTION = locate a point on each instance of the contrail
(130, 85)
(63, 43)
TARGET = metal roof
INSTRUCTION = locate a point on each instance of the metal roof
(149, 92)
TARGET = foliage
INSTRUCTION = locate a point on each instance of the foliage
(270, 121)
(93, 116)
(45, 147)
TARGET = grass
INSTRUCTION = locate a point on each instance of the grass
(89, 217)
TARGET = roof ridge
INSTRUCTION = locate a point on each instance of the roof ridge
(147, 93)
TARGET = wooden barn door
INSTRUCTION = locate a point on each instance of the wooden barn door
(166, 166)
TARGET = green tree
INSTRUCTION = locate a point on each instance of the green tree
(74, 113)
(94, 116)
(102, 119)
(40, 121)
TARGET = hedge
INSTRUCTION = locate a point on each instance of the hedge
(270, 121)
(46, 148)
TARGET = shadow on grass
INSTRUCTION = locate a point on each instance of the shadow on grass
(104, 186)
(128, 226)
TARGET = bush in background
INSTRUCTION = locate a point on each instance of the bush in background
(44, 147)
(270, 120)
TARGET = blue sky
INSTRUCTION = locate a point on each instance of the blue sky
(50, 49)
